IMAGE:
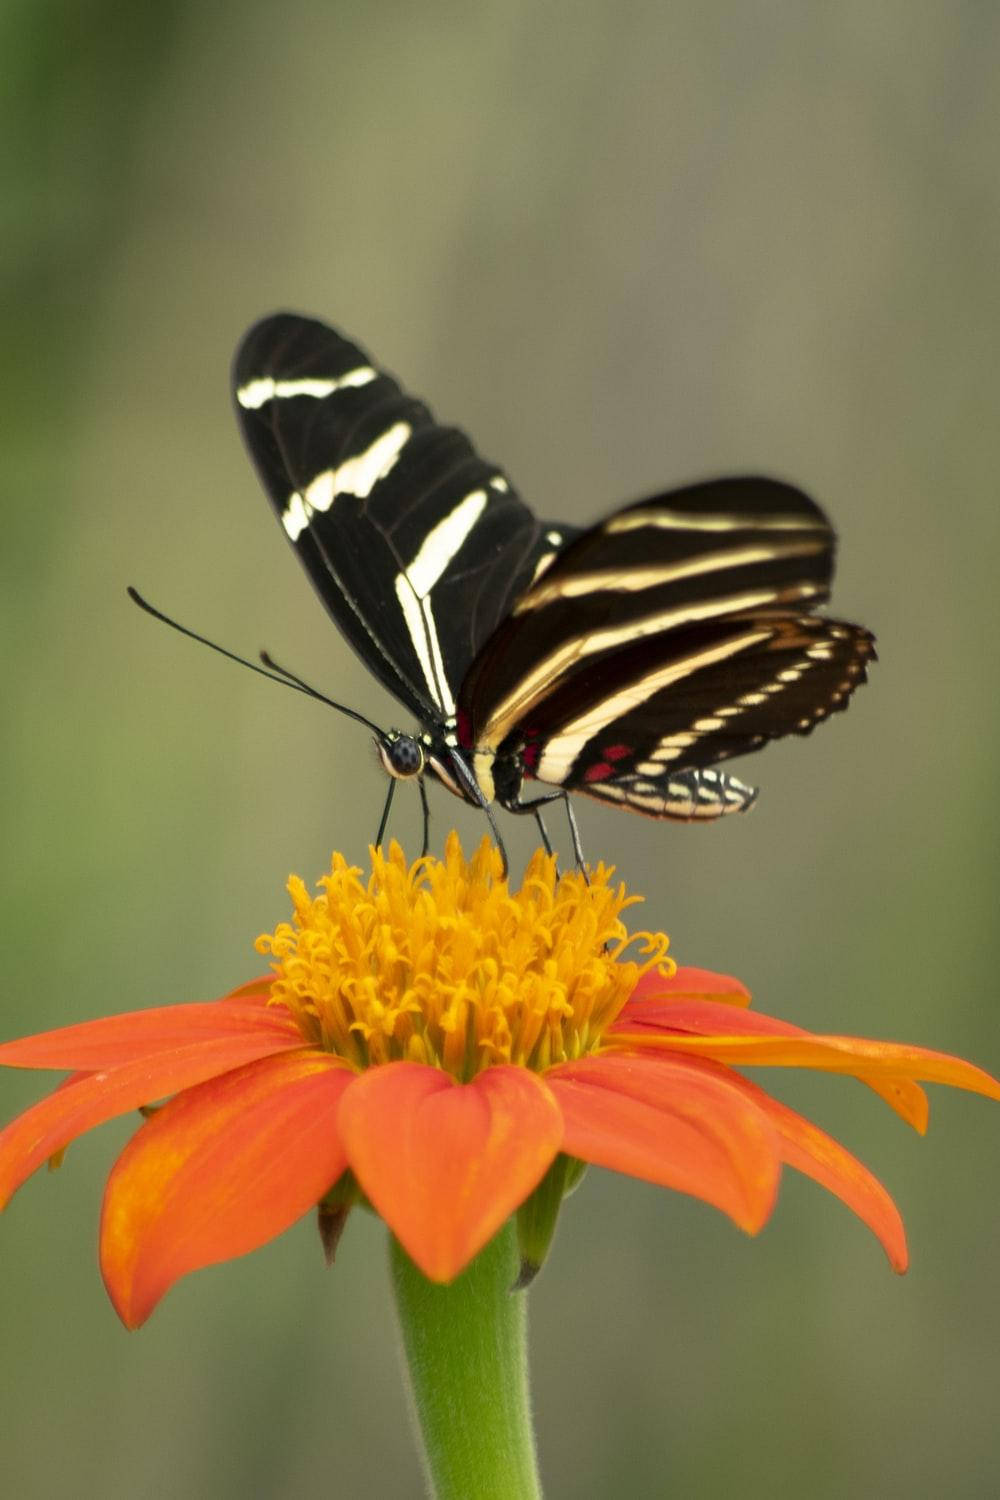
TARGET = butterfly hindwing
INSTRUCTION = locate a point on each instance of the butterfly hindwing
(667, 638)
(715, 692)
(651, 571)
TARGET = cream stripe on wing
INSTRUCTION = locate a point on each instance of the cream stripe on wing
(562, 750)
(257, 393)
(682, 520)
(356, 476)
(632, 579)
(542, 678)
(443, 542)
(415, 583)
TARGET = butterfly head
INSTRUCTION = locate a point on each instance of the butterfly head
(401, 754)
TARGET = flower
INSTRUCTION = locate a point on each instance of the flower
(445, 1049)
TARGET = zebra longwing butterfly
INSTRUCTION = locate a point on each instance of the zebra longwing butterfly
(623, 661)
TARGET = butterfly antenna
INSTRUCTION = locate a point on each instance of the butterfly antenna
(277, 674)
(290, 678)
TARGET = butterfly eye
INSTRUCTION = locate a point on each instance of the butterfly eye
(402, 756)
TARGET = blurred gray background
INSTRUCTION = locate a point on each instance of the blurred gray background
(625, 246)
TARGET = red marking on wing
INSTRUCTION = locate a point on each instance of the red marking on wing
(599, 772)
(616, 752)
(463, 729)
(530, 756)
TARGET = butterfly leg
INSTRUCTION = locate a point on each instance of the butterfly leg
(543, 832)
(385, 812)
(574, 829)
(574, 833)
(533, 808)
(427, 816)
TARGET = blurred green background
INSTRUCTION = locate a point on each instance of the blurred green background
(625, 245)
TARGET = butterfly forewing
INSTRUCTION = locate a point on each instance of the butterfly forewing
(417, 547)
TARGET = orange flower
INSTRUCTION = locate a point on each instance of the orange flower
(443, 1046)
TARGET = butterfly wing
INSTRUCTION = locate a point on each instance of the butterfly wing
(417, 547)
(675, 634)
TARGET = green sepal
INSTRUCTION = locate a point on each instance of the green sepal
(538, 1215)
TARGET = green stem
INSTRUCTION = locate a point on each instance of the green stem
(466, 1357)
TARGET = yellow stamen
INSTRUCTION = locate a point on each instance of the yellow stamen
(440, 962)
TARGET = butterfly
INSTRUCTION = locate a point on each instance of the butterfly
(623, 660)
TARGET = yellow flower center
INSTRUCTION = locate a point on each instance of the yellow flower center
(441, 962)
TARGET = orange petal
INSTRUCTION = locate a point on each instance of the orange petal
(902, 1095)
(446, 1164)
(810, 1150)
(256, 991)
(691, 984)
(218, 1171)
(111, 1040)
(707, 1018)
(88, 1099)
(675, 1122)
(831, 1054)
(700, 1017)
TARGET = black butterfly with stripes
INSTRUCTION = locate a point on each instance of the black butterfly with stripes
(624, 661)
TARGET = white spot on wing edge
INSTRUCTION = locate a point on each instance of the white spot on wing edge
(295, 517)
